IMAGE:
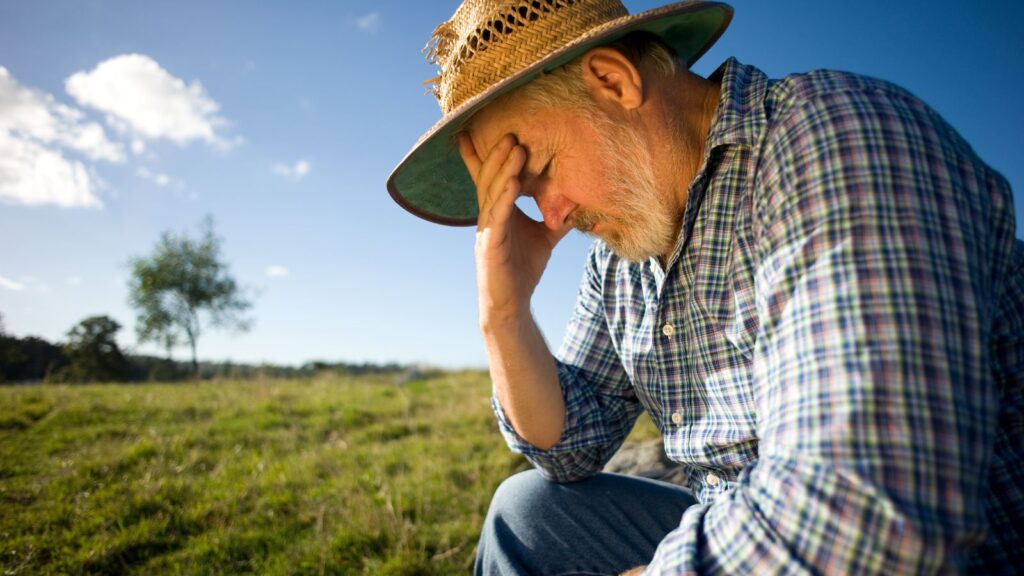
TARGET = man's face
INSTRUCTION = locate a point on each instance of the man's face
(584, 167)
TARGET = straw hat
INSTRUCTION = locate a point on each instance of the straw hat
(490, 47)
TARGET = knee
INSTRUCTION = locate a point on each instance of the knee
(516, 494)
(509, 534)
(526, 503)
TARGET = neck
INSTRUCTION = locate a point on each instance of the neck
(690, 106)
(683, 117)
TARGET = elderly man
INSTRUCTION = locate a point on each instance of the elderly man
(811, 285)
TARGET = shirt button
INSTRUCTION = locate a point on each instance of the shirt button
(677, 418)
(713, 479)
(668, 330)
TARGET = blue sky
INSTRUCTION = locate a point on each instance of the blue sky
(283, 121)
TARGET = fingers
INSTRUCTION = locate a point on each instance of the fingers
(496, 158)
(469, 155)
(499, 193)
(479, 169)
(496, 177)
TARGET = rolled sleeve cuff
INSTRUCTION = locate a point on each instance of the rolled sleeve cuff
(584, 446)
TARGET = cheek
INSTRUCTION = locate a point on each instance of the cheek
(585, 183)
(599, 192)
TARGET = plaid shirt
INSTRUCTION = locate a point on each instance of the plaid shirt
(834, 352)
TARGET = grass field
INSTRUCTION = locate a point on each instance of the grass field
(330, 475)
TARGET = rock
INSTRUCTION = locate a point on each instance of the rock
(646, 459)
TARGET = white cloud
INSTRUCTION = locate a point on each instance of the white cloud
(35, 133)
(11, 284)
(276, 271)
(145, 100)
(73, 280)
(369, 22)
(33, 175)
(33, 115)
(295, 171)
(158, 178)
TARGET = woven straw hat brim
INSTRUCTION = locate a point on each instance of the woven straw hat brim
(432, 181)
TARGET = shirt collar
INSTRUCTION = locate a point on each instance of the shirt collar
(740, 116)
(739, 120)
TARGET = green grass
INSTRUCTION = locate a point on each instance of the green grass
(329, 475)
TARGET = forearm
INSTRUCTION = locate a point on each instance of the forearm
(525, 378)
(580, 397)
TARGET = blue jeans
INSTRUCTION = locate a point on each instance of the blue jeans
(602, 525)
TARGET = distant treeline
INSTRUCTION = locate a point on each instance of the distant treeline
(32, 360)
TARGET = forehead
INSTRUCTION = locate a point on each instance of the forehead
(531, 125)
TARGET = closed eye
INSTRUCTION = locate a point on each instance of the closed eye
(546, 169)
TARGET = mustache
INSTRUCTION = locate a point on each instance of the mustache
(585, 220)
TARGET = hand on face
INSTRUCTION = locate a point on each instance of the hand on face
(512, 250)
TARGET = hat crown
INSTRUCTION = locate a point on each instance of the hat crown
(487, 41)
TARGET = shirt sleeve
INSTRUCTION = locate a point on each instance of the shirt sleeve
(883, 241)
(601, 406)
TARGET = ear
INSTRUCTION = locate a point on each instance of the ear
(612, 78)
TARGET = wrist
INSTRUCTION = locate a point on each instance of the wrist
(494, 322)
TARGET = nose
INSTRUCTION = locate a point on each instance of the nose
(554, 207)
